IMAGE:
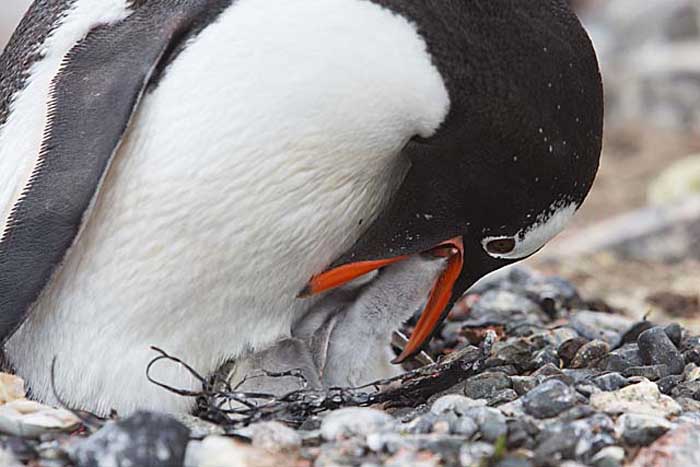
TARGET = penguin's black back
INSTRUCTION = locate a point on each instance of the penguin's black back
(23, 49)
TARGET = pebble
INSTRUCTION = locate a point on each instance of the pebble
(8, 459)
(273, 436)
(549, 399)
(567, 350)
(355, 421)
(219, 451)
(142, 439)
(30, 419)
(611, 456)
(523, 384)
(491, 422)
(590, 353)
(656, 348)
(624, 357)
(650, 372)
(667, 384)
(678, 447)
(455, 403)
(674, 331)
(641, 430)
(643, 398)
(473, 454)
(485, 385)
(610, 381)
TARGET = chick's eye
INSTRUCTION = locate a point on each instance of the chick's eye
(501, 246)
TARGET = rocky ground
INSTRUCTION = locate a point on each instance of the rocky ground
(536, 376)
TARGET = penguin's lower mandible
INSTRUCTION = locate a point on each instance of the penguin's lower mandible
(201, 175)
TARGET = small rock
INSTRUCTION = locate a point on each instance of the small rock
(656, 348)
(421, 425)
(598, 325)
(643, 398)
(641, 430)
(355, 421)
(549, 399)
(11, 388)
(523, 384)
(484, 385)
(632, 334)
(691, 372)
(623, 358)
(567, 351)
(273, 436)
(548, 372)
(464, 426)
(668, 384)
(610, 381)
(491, 422)
(590, 353)
(7, 459)
(611, 456)
(144, 438)
(503, 396)
(218, 451)
(674, 331)
(475, 454)
(678, 447)
(650, 372)
(30, 419)
(455, 403)
(546, 356)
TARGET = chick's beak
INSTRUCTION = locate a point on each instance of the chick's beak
(440, 295)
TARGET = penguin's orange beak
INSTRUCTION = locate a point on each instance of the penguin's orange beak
(438, 300)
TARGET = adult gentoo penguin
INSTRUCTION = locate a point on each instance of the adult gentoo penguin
(175, 172)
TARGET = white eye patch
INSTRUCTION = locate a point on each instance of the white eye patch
(526, 242)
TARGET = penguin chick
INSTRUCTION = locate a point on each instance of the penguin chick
(357, 336)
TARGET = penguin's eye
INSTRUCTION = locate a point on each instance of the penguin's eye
(501, 246)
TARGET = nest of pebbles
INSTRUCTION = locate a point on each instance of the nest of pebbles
(527, 374)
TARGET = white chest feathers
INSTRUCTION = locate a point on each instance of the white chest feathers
(269, 144)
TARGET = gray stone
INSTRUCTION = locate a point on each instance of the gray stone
(484, 385)
(656, 348)
(623, 358)
(640, 429)
(674, 331)
(549, 399)
(523, 384)
(455, 403)
(610, 381)
(355, 421)
(491, 422)
(145, 438)
(611, 456)
(473, 454)
(650, 372)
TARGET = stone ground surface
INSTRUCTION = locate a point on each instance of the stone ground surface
(564, 384)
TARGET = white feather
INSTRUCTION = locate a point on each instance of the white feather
(271, 138)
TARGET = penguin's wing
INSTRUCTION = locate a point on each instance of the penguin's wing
(93, 99)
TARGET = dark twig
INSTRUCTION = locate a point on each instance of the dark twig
(220, 403)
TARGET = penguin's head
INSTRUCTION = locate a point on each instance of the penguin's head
(512, 162)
